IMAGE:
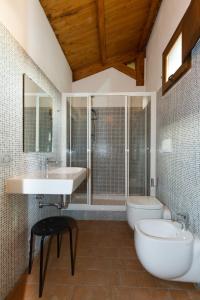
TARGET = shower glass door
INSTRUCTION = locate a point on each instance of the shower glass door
(139, 128)
(108, 170)
(76, 156)
(110, 135)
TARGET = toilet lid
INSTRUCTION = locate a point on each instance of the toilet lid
(145, 202)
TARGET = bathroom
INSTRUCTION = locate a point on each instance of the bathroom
(85, 88)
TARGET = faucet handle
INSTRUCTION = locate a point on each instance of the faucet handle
(184, 218)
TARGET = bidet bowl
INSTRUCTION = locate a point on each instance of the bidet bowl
(164, 249)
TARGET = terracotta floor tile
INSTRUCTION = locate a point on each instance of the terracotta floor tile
(194, 295)
(91, 293)
(24, 291)
(132, 265)
(109, 252)
(100, 263)
(50, 292)
(127, 252)
(176, 284)
(180, 295)
(151, 294)
(124, 293)
(88, 277)
(138, 279)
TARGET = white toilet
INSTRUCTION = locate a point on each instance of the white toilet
(143, 207)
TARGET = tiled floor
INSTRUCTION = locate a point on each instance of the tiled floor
(106, 269)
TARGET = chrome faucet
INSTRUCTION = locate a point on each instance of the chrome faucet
(46, 165)
(183, 219)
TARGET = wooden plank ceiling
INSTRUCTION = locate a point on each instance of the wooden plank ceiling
(98, 34)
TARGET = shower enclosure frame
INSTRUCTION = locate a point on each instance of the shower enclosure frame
(88, 96)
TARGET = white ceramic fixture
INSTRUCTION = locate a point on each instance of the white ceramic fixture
(167, 251)
(58, 181)
(143, 207)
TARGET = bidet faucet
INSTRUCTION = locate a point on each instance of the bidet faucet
(183, 219)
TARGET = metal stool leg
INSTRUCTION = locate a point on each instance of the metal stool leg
(58, 245)
(30, 253)
(71, 251)
(41, 281)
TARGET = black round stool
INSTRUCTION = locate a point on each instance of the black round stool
(49, 227)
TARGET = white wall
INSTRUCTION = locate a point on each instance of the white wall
(110, 80)
(27, 22)
(169, 16)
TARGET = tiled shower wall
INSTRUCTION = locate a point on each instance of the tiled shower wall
(108, 151)
(18, 213)
(178, 145)
(137, 152)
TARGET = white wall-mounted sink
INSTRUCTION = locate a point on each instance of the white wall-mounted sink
(58, 181)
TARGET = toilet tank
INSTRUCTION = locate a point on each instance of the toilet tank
(143, 207)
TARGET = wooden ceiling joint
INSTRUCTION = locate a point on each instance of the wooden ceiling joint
(101, 30)
(139, 67)
(118, 62)
(125, 69)
(152, 14)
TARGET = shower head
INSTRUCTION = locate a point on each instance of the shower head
(94, 114)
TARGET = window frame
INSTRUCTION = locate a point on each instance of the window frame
(186, 65)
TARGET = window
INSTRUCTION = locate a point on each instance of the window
(174, 58)
(174, 65)
(177, 54)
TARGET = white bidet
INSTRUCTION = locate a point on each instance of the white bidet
(167, 251)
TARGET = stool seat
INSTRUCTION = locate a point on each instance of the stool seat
(53, 225)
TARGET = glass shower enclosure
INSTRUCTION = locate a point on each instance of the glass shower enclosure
(111, 136)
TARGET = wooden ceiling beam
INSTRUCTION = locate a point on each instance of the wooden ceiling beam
(139, 67)
(101, 30)
(123, 58)
(88, 71)
(152, 14)
(110, 62)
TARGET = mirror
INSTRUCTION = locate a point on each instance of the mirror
(37, 118)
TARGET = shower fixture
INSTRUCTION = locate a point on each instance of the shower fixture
(93, 123)
(94, 114)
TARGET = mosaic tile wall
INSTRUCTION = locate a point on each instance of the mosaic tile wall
(18, 213)
(178, 145)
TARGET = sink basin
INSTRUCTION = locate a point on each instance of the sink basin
(58, 181)
(164, 249)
